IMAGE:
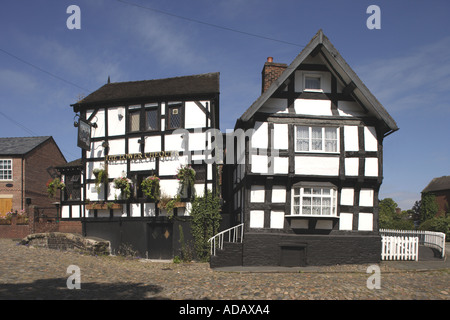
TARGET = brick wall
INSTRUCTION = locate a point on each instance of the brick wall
(271, 72)
(14, 191)
(36, 174)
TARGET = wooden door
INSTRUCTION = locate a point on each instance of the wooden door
(5, 206)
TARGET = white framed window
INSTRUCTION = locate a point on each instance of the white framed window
(316, 139)
(6, 169)
(312, 82)
(314, 201)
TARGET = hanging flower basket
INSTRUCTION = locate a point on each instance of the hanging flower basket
(101, 176)
(186, 179)
(53, 185)
(124, 185)
(151, 188)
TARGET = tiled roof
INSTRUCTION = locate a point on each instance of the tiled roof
(125, 91)
(20, 145)
(437, 184)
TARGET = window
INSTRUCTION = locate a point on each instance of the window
(312, 82)
(5, 169)
(316, 139)
(151, 117)
(72, 191)
(174, 120)
(134, 116)
(315, 201)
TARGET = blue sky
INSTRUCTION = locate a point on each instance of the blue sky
(405, 64)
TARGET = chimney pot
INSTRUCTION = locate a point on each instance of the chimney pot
(269, 59)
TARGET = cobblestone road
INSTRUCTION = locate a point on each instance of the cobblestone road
(38, 273)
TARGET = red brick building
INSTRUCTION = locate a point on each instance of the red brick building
(440, 187)
(26, 164)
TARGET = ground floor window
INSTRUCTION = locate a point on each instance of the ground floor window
(314, 201)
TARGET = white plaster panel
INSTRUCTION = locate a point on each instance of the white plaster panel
(278, 194)
(134, 145)
(347, 195)
(197, 141)
(321, 166)
(370, 139)
(366, 198)
(280, 136)
(113, 193)
(351, 166)
(174, 142)
(274, 105)
(277, 219)
(99, 119)
(259, 163)
(365, 222)
(153, 144)
(351, 138)
(260, 135)
(194, 116)
(169, 166)
(117, 169)
(169, 187)
(281, 165)
(76, 211)
(143, 164)
(371, 167)
(97, 151)
(346, 221)
(116, 121)
(199, 189)
(349, 109)
(116, 146)
(257, 194)
(64, 211)
(256, 219)
(135, 209)
(209, 173)
(313, 107)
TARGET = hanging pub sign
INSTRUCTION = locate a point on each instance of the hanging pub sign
(84, 135)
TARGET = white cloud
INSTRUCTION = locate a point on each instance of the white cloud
(420, 78)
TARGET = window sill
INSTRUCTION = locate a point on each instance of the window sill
(310, 216)
(313, 90)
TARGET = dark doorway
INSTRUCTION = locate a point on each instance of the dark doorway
(159, 239)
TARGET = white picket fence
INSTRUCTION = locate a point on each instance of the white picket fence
(399, 248)
(430, 239)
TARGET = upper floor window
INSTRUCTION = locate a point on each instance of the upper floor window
(151, 117)
(134, 116)
(316, 201)
(6, 169)
(146, 119)
(174, 115)
(316, 139)
(312, 82)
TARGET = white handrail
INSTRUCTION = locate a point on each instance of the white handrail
(234, 235)
(427, 238)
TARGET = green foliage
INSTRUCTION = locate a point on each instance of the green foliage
(53, 185)
(429, 207)
(186, 253)
(205, 222)
(101, 176)
(437, 224)
(124, 184)
(389, 219)
(186, 178)
(150, 187)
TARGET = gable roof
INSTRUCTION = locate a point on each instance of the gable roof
(200, 84)
(340, 69)
(438, 184)
(20, 146)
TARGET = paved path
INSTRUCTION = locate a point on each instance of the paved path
(37, 273)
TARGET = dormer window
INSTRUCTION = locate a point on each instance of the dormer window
(312, 83)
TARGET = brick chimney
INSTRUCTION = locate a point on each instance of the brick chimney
(271, 72)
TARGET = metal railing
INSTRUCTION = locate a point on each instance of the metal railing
(235, 234)
(430, 239)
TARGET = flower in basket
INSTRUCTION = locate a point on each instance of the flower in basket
(150, 187)
(124, 184)
(53, 185)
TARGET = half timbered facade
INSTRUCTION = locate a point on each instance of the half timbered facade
(309, 167)
(135, 130)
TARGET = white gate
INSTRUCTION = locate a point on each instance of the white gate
(399, 248)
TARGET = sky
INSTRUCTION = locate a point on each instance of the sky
(45, 66)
